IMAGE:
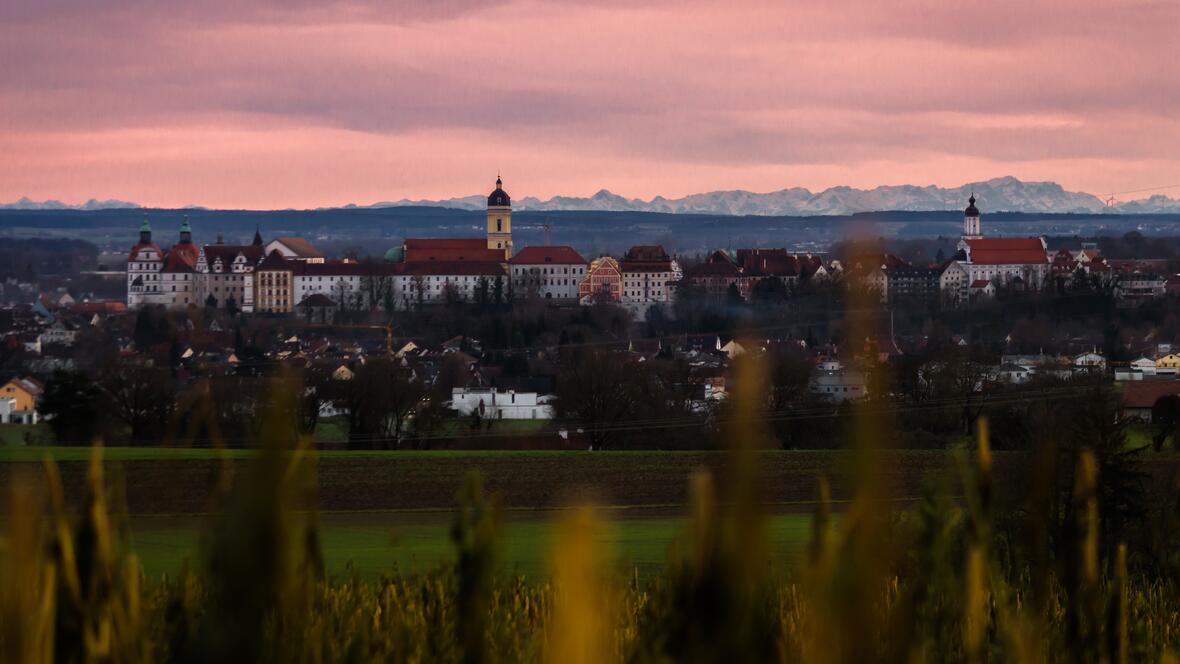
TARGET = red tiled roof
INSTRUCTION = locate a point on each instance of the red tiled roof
(317, 300)
(228, 252)
(646, 252)
(179, 262)
(873, 261)
(1144, 394)
(646, 258)
(300, 247)
(980, 283)
(554, 254)
(1007, 251)
(768, 262)
(187, 251)
(451, 249)
(275, 263)
(139, 247)
(713, 269)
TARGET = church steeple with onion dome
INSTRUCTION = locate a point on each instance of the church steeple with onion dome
(500, 220)
(971, 227)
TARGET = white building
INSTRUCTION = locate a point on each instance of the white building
(494, 404)
(225, 274)
(843, 385)
(184, 275)
(10, 415)
(1016, 262)
(647, 278)
(551, 272)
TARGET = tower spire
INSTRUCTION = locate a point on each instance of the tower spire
(145, 231)
(257, 236)
(971, 227)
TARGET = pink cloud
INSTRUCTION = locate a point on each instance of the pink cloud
(309, 105)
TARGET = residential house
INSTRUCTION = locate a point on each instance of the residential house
(1141, 397)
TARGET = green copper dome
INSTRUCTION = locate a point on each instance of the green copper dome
(396, 254)
(145, 228)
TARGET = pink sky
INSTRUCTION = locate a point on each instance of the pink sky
(304, 104)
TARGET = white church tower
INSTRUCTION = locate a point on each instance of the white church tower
(971, 229)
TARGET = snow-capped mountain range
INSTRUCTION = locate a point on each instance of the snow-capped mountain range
(92, 204)
(1005, 194)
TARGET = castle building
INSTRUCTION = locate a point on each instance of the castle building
(277, 277)
(225, 274)
(155, 276)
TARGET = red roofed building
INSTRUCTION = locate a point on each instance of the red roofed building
(155, 276)
(717, 274)
(603, 282)
(225, 274)
(451, 249)
(1022, 262)
(295, 248)
(551, 272)
(648, 272)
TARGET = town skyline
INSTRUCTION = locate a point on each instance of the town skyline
(330, 104)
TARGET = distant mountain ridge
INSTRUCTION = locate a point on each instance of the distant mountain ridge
(93, 204)
(1003, 194)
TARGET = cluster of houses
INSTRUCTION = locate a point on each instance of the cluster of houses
(45, 330)
(289, 275)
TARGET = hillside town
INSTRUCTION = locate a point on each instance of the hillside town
(481, 331)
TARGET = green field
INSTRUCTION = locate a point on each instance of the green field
(375, 543)
(20, 434)
(24, 453)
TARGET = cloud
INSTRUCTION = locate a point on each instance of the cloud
(696, 91)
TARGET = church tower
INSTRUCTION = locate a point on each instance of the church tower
(500, 220)
(971, 229)
(186, 232)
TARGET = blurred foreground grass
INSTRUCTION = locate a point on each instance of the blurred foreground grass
(1071, 569)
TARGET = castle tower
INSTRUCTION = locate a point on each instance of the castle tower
(500, 220)
(186, 232)
(971, 228)
(145, 232)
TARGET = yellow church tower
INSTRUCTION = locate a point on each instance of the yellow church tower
(500, 220)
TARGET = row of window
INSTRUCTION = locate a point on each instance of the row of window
(548, 270)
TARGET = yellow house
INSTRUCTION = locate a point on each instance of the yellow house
(1169, 361)
(25, 391)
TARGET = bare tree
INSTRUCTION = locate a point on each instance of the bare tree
(380, 401)
(140, 396)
